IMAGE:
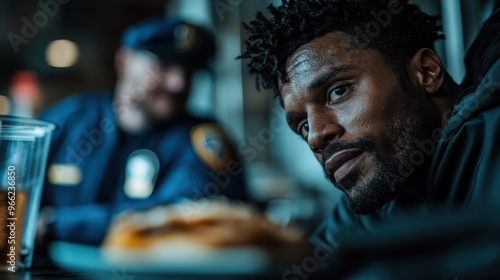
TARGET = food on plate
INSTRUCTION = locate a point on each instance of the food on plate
(203, 226)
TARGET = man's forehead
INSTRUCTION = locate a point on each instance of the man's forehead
(302, 61)
(328, 48)
(315, 56)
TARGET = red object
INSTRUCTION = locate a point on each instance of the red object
(24, 86)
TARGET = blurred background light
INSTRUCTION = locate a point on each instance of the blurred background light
(62, 53)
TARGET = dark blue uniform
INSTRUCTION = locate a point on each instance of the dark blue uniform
(89, 157)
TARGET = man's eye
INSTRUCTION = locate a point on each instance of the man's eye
(303, 129)
(337, 93)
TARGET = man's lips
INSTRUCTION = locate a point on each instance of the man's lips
(341, 163)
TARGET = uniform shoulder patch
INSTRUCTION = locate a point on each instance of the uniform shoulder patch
(211, 145)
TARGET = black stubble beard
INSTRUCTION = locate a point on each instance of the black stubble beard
(411, 123)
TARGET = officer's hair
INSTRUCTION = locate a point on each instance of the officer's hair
(296, 22)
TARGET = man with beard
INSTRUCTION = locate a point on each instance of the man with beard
(361, 83)
(136, 147)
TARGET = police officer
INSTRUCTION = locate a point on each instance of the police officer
(136, 147)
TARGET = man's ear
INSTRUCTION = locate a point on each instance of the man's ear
(428, 70)
(121, 56)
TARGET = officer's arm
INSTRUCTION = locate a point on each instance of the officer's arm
(81, 224)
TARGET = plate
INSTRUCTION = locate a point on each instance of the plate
(180, 260)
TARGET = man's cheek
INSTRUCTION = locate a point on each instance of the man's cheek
(383, 146)
(368, 167)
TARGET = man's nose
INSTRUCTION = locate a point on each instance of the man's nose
(174, 80)
(323, 128)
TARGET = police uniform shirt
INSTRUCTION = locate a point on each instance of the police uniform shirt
(95, 170)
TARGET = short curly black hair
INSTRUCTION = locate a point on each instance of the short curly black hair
(394, 27)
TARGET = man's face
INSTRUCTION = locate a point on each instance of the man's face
(350, 107)
(158, 91)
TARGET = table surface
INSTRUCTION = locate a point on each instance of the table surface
(43, 269)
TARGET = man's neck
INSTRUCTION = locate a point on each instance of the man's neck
(447, 97)
(416, 184)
